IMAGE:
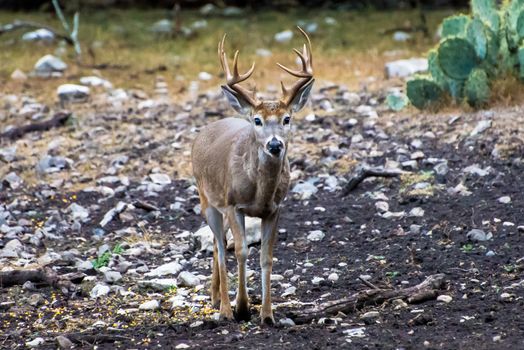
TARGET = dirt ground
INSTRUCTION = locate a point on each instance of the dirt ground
(423, 232)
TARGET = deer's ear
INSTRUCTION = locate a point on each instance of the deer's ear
(300, 99)
(236, 101)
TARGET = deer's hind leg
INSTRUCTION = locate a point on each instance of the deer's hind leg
(215, 221)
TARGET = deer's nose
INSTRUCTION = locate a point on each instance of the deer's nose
(274, 146)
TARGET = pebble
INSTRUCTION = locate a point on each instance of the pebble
(171, 268)
(444, 298)
(183, 345)
(477, 235)
(284, 37)
(333, 277)
(112, 276)
(317, 280)
(187, 279)
(72, 93)
(405, 68)
(286, 322)
(99, 290)
(159, 284)
(416, 212)
(382, 207)
(149, 305)
(63, 342)
(504, 200)
(505, 297)
(305, 190)
(49, 65)
(316, 236)
(370, 315)
(35, 342)
(160, 179)
(481, 126)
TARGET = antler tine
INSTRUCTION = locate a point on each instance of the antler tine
(232, 79)
(305, 74)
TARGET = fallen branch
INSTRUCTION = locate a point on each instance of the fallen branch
(426, 290)
(60, 119)
(364, 171)
(34, 25)
(44, 275)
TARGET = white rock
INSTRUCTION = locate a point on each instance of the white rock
(39, 35)
(444, 298)
(149, 305)
(159, 284)
(163, 26)
(316, 235)
(99, 290)
(49, 64)
(35, 342)
(73, 92)
(18, 75)
(304, 190)
(205, 76)
(406, 68)
(284, 37)
(382, 207)
(263, 52)
(504, 199)
(317, 280)
(286, 322)
(112, 276)
(205, 235)
(416, 212)
(160, 179)
(78, 212)
(481, 126)
(401, 36)
(370, 315)
(187, 279)
(95, 81)
(333, 277)
(171, 268)
(184, 345)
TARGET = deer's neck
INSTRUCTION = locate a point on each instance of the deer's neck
(266, 174)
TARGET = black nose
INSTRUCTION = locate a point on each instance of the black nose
(274, 146)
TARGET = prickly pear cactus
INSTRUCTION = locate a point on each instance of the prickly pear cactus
(476, 88)
(455, 26)
(473, 50)
(457, 57)
(423, 91)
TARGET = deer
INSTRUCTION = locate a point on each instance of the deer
(241, 169)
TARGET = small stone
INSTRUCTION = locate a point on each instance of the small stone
(333, 277)
(187, 279)
(286, 322)
(415, 229)
(35, 299)
(12, 180)
(304, 190)
(284, 37)
(316, 236)
(35, 342)
(477, 235)
(163, 26)
(99, 290)
(505, 297)
(159, 284)
(444, 298)
(184, 345)
(63, 342)
(41, 34)
(112, 276)
(490, 253)
(48, 65)
(150, 305)
(370, 315)
(417, 155)
(18, 75)
(382, 206)
(95, 82)
(78, 212)
(171, 268)
(401, 36)
(72, 93)
(205, 76)
(441, 168)
(504, 200)
(416, 212)
(160, 179)
(317, 280)
(481, 126)
(405, 68)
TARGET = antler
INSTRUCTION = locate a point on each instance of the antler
(305, 75)
(232, 80)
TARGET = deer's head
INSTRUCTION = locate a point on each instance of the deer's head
(271, 120)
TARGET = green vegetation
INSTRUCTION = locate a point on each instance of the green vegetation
(474, 51)
(103, 260)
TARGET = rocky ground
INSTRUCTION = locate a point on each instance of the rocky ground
(108, 200)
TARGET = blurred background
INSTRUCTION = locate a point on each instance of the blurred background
(131, 42)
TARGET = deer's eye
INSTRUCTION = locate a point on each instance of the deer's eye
(286, 120)
(258, 121)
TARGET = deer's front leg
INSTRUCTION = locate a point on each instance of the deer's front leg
(215, 222)
(269, 236)
(238, 228)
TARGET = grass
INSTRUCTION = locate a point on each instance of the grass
(103, 260)
(353, 52)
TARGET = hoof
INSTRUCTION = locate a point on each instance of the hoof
(226, 317)
(242, 313)
(267, 321)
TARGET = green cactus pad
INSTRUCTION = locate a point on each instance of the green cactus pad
(477, 89)
(422, 91)
(477, 36)
(520, 26)
(486, 10)
(455, 26)
(520, 56)
(457, 57)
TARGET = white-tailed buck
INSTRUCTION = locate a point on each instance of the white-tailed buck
(241, 168)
